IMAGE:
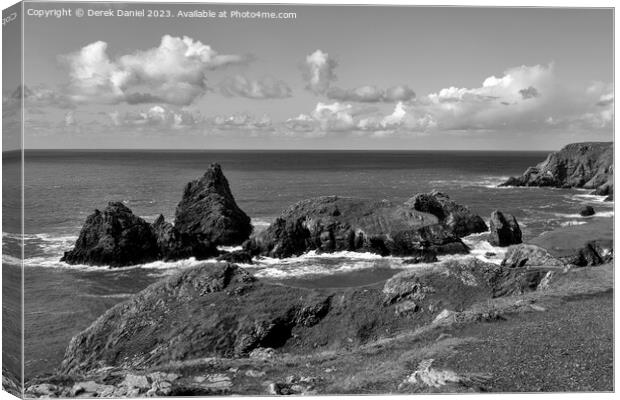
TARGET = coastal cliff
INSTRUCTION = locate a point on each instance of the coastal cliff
(587, 165)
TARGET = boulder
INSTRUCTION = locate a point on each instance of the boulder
(208, 211)
(595, 252)
(174, 245)
(332, 223)
(587, 211)
(587, 165)
(529, 255)
(114, 237)
(457, 218)
(505, 231)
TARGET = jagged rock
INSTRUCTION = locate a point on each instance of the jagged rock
(505, 231)
(238, 257)
(595, 252)
(114, 237)
(206, 311)
(174, 245)
(425, 258)
(586, 165)
(529, 255)
(332, 223)
(587, 211)
(209, 212)
(459, 219)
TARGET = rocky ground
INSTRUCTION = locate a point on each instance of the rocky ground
(553, 332)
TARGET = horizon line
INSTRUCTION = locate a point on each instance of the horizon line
(269, 149)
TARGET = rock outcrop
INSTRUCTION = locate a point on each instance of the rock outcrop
(174, 245)
(209, 212)
(587, 165)
(457, 218)
(114, 237)
(587, 211)
(529, 255)
(332, 223)
(593, 253)
(505, 230)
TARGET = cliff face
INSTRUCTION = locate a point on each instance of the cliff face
(587, 165)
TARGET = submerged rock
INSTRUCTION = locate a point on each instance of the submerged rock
(239, 257)
(114, 237)
(208, 211)
(505, 231)
(174, 245)
(587, 211)
(332, 223)
(457, 218)
(586, 165)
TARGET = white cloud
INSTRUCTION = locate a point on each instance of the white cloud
(372, 94)
(266, 88)
(175, 72)
(158, 116)
(242, 122)
(319, 71)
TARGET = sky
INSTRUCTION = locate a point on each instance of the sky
(334, 77)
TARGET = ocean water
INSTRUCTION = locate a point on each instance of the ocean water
(63, 187)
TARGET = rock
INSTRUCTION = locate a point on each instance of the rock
(209, 212)
(174, 319)
(587, 211)
(459, 219)
(329, 224)
(273, 389)
(262, 353)
(505, 231)
(43, 390)
(595, 252)
(529, 255)
(237, 257)
(586, 165)
(425, 258)
(174, 245)
(136, 381)
(406, 307)
(114, 237)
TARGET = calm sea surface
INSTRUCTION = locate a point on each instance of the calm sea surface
(63, 187)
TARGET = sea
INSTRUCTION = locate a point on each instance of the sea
(61, 188)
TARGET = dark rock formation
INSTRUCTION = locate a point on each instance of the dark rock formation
(529, 255)
(209, 212)
(114, 237)
(595, 252)
(329, 224)
(239, 257)
(505, 231)
(457, 218)
(174, 245)
(425, 258)
(587, 211)
(586, 165)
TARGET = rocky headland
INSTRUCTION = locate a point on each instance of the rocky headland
(447, 325)
(587, 165)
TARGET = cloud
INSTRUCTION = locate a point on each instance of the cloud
(372, 94)
(318, 71)
(529, 93)
(242, 121)
(69, 119)
(158, 116)
(37, 97)
(174, 73)
(266, 88)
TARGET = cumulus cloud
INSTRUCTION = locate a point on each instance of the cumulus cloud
(372, 94)
(266, 88)
(175, 72)
(319, 71)
(158, 116)
(529, 93)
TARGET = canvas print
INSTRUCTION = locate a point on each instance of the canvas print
(251, 199)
